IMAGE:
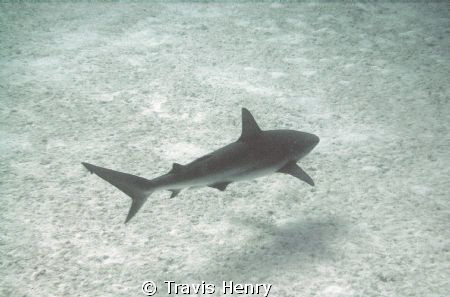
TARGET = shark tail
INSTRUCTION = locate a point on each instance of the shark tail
(136, 187)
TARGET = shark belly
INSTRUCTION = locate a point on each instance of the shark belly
(194, 181)
(243, 171)
(234, 162)
(258, 171)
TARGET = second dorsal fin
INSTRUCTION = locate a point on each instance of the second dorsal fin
(176, 168)
(250, 128)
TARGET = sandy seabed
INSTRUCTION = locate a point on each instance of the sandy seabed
(135, 87)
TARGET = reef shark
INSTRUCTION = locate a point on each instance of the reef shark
(256, 153)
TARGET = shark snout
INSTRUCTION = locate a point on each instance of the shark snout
(314, 140)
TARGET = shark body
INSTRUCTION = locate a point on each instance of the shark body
(256, 153)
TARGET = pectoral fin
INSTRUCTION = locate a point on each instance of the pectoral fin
(293, 169)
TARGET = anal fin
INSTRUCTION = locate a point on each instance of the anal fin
(293, 169)
(174, 193)
(220, 186)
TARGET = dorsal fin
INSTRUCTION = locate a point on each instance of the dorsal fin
(250, 128)
(176, 168)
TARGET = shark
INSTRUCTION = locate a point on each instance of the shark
(254, 154)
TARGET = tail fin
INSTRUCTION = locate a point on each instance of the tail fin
(136, 187)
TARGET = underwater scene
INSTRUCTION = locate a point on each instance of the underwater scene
(277, 149)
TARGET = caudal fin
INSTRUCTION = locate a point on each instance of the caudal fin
(136, 187)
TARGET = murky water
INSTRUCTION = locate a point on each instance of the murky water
(137, 87)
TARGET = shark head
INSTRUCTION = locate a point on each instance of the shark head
(293, 144)
(305, 142)
(299, 143)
